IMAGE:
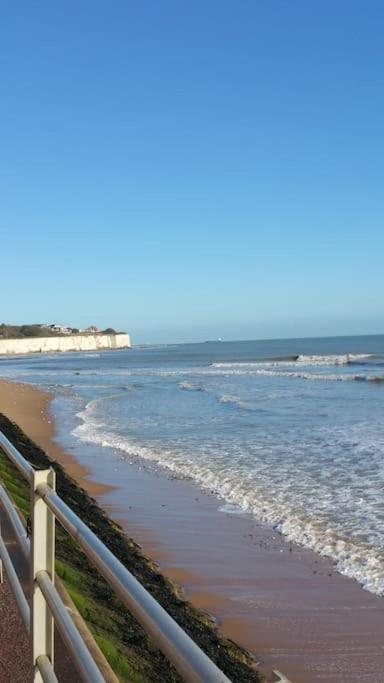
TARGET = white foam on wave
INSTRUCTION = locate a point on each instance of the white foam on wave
(227, 398)
(333, 377)
(216, 370)
(234, 400)
(310, 360)
(333, 359)
(355, 559)
(238, 372)
(88, 354)
(189, 386)
(251, 364)
(231, 509)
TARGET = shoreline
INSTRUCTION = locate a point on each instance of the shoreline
(282, 602)
(30, 408)
(129, 650)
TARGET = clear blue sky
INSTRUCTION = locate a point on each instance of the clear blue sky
(193, 170)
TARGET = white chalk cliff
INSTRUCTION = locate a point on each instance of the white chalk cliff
(74, 342)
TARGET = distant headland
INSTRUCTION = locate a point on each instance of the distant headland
(48, 330)
(42, 338)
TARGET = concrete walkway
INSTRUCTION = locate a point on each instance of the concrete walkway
(14, 646)
(15, 666)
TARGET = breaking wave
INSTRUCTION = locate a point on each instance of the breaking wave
(353, 558)
(322, 377)
(235, 400)
(333, 359)
(190, 386)
(343, 359)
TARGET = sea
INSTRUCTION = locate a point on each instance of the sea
(289, 431)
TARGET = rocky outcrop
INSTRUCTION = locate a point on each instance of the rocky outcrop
(73, 342)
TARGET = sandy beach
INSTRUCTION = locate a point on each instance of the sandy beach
(30, 409)
(284, 603)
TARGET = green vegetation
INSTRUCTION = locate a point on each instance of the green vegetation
(130, 652)
(38, 330)
(27, 331)
(22, 331)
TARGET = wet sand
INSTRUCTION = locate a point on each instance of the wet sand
(30, 409)
(285, 604)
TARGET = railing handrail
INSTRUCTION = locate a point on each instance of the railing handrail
(85, 663)
(25, 468)
(189, 660)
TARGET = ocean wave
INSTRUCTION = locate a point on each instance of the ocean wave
(253, 364)
(231, 509)
(189, 386)
(88, 354)
(334, 359)
(216, 370)
(235, 400)
(314, 376)
(227, 371)
(300, 374)
(355, 559)
(310, 360)
(227, 398)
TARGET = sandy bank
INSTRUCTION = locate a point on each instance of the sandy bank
(285, 604)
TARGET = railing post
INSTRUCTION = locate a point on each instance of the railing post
(42, 558)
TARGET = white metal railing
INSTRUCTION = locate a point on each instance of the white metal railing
(46, 607)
